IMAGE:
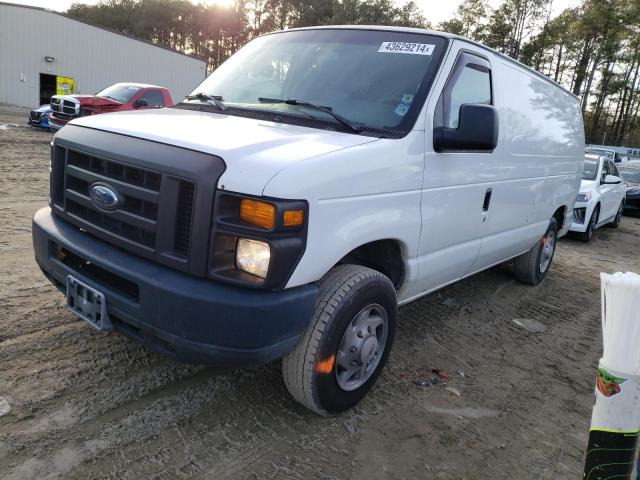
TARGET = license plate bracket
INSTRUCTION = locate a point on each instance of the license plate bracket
(88, 303)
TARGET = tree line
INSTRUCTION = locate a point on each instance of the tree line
(592, 49)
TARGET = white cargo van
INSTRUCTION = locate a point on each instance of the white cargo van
(314, 182)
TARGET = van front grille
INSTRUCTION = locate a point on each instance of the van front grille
(135, 221)
(151, 199)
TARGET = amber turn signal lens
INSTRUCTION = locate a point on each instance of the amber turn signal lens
(293, 218)
(258, 213)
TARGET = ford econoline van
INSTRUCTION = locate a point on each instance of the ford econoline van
(317, 180)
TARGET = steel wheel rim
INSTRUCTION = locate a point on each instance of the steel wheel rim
(362, 346)
(548, 247)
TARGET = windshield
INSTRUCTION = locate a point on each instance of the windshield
(376, 78)
(590, 171)
(120, 93)
(630, 174)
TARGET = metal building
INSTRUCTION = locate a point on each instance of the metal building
(43, 53)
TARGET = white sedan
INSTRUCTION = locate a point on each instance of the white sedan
(601, 198)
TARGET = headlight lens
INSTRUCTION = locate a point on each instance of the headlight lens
(253, 256)
(583, 197)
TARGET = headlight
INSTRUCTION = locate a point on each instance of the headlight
(253, 256)
(584, 197)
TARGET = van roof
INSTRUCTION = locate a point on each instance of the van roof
(424, 31)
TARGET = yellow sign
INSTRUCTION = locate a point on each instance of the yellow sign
(65, 85)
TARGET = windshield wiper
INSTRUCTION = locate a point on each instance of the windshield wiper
(215, 100)
(354, 127)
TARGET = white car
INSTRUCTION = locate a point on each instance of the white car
(601, 198)
(315, 181)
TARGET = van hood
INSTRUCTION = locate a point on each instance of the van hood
(253, 150)
(90, 100)
(587, 185)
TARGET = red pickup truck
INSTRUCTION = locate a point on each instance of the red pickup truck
(116, 98)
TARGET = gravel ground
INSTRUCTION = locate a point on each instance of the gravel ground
(96, 405)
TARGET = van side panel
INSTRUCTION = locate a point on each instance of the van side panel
(541, 150)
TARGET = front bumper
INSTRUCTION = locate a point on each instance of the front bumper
(56, 124)
(43, 122)
(584, 215)
(189, 318)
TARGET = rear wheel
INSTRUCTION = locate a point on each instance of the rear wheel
(346, 345)
(591, 227)
(532, 267)
(618, 217)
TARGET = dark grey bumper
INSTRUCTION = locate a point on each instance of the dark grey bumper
(192, 319)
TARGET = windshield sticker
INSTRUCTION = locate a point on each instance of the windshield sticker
(407, 98)
(402, 109)
(407, 48)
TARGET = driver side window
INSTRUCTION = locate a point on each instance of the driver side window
(469, 83)
(606, 170)
(614, 170)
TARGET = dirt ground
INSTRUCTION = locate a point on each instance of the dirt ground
(97, 405)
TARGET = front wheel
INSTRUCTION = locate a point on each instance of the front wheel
(618, 217)
(591, 227)
(531, 267)
(347, 342)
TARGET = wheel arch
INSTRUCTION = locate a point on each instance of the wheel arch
(560, 215)
(386, 256)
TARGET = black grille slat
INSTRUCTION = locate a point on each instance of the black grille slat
(116, 171)
(120, 215)
(184, 217)
(144, 194)
(111, 225)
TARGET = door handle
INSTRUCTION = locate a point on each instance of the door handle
(487, 200)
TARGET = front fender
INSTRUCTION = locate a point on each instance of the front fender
(357, 195)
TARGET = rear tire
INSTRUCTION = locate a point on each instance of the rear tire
(587, 235)
(532, 267)
(353, 325)
(618, 217)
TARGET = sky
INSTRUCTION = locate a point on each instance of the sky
(434, 10)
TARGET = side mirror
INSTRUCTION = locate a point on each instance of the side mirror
(141, 102)
(611, 180)
(477, 130)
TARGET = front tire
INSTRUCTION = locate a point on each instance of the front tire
(531, 267)
(587, 235)
(618, 218)
(347, 342)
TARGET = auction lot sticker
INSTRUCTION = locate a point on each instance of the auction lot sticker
(406, 47)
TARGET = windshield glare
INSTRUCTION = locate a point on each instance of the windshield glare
(120, 93)
(630, 174)
(590, 171)
(359, 74)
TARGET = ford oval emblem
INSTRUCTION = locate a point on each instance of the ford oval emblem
(104, 196)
